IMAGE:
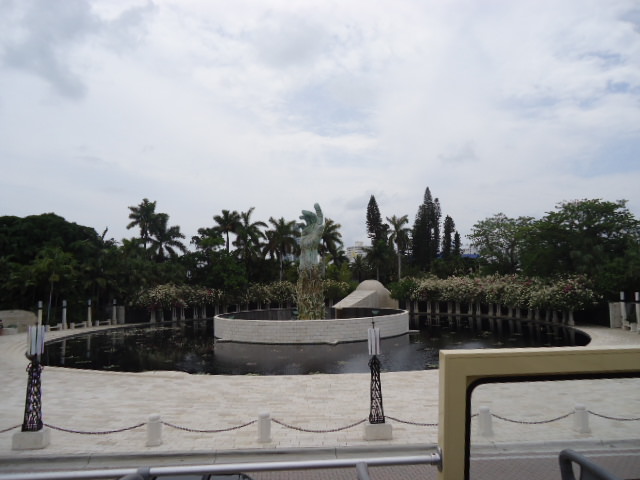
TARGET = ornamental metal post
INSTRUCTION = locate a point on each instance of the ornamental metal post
(33, 403)
(376, 412)
(376, 429)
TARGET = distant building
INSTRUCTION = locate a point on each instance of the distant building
(357, 250)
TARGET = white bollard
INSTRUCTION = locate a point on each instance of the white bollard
(154, 430)
(581, 419)
(637, 298)
(64, 315)
(485, 422)
(264, 428)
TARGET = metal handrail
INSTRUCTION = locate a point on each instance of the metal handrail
(588, 469)
(432, 459)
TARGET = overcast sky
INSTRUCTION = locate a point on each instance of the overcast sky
(496, 106)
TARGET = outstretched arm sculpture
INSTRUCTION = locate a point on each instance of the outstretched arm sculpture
(309, 289)
(312, 231)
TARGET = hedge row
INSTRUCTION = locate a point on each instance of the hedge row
(567, 293)
(182, 296)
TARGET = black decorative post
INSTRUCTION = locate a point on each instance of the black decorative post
(32, 434)
(376, 429)
(376, 412)
(33, 403)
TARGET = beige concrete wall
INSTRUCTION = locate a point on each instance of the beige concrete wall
(308, 331)
(19, 318)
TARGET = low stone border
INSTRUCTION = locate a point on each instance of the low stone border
(228, 327)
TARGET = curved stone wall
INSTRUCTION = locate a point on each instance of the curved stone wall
(308, 331)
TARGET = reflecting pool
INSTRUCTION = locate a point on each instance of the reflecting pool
(189, 346)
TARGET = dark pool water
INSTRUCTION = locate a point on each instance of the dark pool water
(190, 347)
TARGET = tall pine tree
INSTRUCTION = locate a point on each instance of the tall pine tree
(426, 232)
(447, 239)
(376, 229)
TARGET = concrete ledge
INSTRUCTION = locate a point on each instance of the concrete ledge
(308, 331)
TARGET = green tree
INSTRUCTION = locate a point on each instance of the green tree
(376, 229)
(228, 222)
(331, 239)
(164, 240)
(399, 237)
(143, 216)
(29, 244)
(281, 240)
(207, 240)
(52, 265)
(359, 268)
(378, 257)
(447, 238)
(426, 232)
(499, 240)
(592, 237)
(248, 240)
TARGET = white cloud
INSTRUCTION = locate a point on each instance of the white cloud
(203, 106)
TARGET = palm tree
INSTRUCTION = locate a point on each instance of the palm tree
(248, 236)
(228, 222)
(399, 236)
(207, 240)
(54, 265)
(165, 239)
(281, 240)
(359, 267)
(143, 216)
(331, 239)
(378, 256)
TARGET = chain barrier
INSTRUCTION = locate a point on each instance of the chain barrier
(618, 419)
(105, 432)
(308, 430)
(412, 423)
(10, 428)
(195, 430)
(523, 422)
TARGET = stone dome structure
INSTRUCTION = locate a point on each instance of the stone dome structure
(369, 294)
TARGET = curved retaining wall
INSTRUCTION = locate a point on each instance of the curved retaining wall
(308, 331)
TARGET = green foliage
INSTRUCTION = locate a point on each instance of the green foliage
(44, 257)
(376, 229)
(499, 240)
(425, 237)
(228, 222)
(562, 293)
(282, 292)
(595, 238)
(399, 237)
(380, 259)
(310, 294)
(336, 290)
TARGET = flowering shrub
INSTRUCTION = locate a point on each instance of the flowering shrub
(281, 292)
(161, 296)
(169, 296)
(335, 290)
(406, 288)
(568, 293)
(429, 288)
(460, 289)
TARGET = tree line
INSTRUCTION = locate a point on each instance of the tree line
(44, 257)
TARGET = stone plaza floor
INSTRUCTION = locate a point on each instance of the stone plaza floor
(312, 411)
